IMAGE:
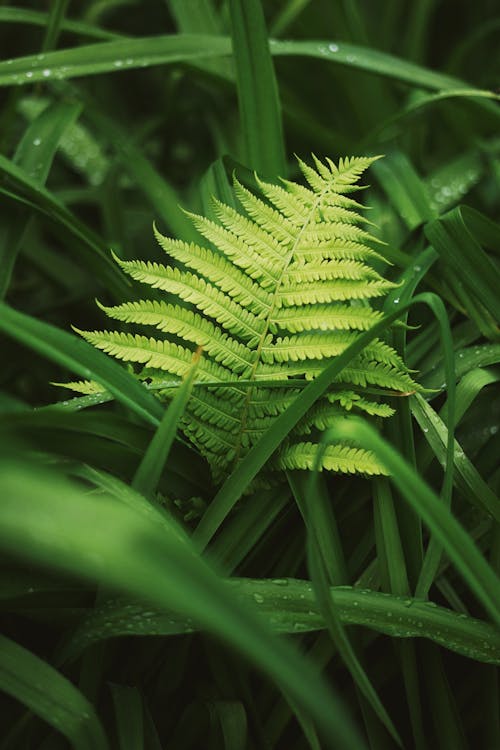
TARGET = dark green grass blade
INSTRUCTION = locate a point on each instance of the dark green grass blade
(55, 20)
(127, 545)
(81, 358)
(50, 696)
(37, 18)
(85, 243)
(315, 505)
(34, 155)
(129, 717)
(467, 479)
(289, 606)
(142, 52)
(371, 60)
(447, 530)
(153, 462)
(404, 189)
(259, 104)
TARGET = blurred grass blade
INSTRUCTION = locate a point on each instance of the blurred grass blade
(442, 524)
(404, 188)
(37, 18)
(31, 193)
(260, 109)
(39, 144)
(127, 702)
(143, 554)
(153, 462)
(54, 22)
(50, 696)
(163, 197)
(79, 357)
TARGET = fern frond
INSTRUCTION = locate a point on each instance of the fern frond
(340, 458)
(284, 288)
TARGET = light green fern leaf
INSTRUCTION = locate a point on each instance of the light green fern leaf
(283, 287)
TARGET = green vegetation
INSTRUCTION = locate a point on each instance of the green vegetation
(158, 588)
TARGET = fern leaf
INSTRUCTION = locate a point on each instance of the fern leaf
(324, 318)
(340, 458)
(284, 288)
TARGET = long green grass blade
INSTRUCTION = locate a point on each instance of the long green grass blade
(129, 717)
(258, 97)
(152, 464)
(447, 530)
(289, 606)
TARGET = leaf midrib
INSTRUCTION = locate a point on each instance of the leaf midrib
(269, 319)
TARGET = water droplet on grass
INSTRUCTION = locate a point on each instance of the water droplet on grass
(258, 598)
(333, 47)
(47, 73)
(37, 142)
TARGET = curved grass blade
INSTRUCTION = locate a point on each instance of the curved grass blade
(467, 479)
(81, 358)
(463, 255)
(134, 548)
(50, 696)
(442, 524)
(105, 57)
(289, 606)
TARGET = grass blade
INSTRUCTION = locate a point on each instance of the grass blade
(447, 530)
(289, 606)
(138, 550)
(152, 464)
(260, 110)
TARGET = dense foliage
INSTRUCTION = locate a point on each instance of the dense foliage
(146, 601)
